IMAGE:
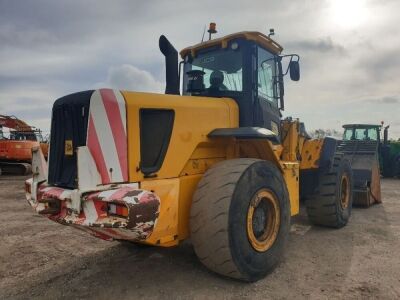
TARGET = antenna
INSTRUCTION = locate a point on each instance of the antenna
(204, 32)
(271, 32)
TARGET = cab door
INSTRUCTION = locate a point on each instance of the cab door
(268, 114)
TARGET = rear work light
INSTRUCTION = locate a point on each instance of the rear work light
(117, 210)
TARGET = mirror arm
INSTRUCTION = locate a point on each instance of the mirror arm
(280, 83)
(180, 72)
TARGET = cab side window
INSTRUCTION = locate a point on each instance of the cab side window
(266, 73)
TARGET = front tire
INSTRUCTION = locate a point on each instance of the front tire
(240, 218)
(331, 204)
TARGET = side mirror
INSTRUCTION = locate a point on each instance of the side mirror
(294, 68)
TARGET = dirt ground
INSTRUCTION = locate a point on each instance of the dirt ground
(41, 259)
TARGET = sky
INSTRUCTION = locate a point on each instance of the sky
(349, 49)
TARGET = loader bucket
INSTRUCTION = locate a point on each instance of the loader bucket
(363, 156)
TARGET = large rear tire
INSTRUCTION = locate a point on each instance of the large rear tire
(331, 205)
(240, 218)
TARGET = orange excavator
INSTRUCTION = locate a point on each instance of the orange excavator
(16, 141)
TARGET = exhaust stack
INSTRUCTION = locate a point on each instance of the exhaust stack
(171, 66)
(385, 135)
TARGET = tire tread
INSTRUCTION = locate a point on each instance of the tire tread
(209, 227)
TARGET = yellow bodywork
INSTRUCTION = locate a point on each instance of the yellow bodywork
(195, 117)
(190, 153)
(310, 154)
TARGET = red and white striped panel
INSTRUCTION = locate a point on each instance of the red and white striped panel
(106, 137)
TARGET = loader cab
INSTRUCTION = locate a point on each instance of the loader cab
(246, 67)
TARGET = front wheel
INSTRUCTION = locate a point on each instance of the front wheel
(240, 218)
(331, 204)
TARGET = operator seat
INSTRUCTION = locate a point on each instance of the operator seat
(216, 82)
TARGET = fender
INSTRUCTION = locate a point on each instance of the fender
(246, 133)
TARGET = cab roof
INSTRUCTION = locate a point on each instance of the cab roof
(260, 38)
(361, 125)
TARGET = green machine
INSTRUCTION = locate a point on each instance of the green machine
(360, 145)
(388, 151)
(390, 156)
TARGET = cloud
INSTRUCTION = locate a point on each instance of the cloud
(383, 64)
(129, 77)
(390, 100)
(322, 45)
(385, 100)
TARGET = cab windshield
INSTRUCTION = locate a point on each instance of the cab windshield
(222, 70)
(360, 134)
(9, 134)
(22, 136)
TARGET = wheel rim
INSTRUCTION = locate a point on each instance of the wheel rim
(345, 191)
(263, 220)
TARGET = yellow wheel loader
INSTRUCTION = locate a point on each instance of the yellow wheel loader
(216, 164)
